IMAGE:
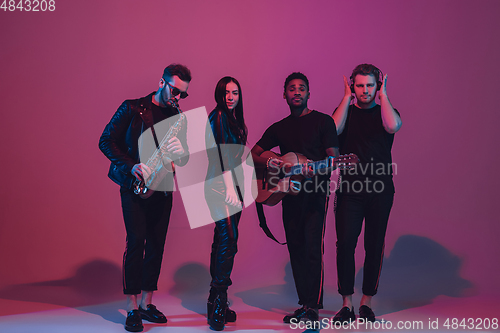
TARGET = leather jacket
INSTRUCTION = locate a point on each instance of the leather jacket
(224, 151)
(119, 140)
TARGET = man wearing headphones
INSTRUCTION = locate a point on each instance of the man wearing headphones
(367, 191)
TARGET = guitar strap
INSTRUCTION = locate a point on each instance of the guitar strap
(263, 223)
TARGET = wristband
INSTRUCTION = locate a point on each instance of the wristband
(268, 160)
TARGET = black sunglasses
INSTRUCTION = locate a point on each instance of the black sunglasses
(174, 91)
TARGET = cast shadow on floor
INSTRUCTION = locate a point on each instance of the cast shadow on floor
(417, 271)
(93, 289)
(277, 298)
(191, 286)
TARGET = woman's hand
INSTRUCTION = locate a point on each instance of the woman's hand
(232, 198)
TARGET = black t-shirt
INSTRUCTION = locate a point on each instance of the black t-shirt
(365, 136)
(162, 113)
(309, 135)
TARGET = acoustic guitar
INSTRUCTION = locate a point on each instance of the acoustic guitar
(274, 184)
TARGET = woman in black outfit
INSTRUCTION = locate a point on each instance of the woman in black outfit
(225, 139)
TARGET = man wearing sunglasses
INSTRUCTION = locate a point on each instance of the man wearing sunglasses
(146, 220)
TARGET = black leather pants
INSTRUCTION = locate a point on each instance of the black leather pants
(224, 248)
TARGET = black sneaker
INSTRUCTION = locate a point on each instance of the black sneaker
(310, 315)
(152, 314)
(345, 314)
(298, 314)
(366, 313)
(133, 323)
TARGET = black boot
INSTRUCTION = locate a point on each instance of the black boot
(230, 314)
(210, 303)
(217, 317)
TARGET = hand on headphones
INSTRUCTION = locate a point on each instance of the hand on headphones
(347, 88)
(383, 87)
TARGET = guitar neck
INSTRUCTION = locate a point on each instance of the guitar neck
(318, 165)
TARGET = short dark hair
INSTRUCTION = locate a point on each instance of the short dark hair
(177, 69)
(296, 75)
(367, 69)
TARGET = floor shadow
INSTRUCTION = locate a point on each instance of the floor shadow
(417, 270)
(274, 297)
(95, 288)
(192, 284)
(283, 299)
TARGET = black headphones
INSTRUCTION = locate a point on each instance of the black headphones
(371, 70)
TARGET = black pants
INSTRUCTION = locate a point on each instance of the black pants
(350, 211)
(224, 248)
(304, 222)
(146, 223)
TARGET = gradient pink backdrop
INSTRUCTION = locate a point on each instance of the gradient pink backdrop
(64, 73)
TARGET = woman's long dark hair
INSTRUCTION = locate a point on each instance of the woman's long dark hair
(236, 122)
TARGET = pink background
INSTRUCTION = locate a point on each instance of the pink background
(64, 73)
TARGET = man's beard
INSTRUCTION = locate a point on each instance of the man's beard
(300, 106)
